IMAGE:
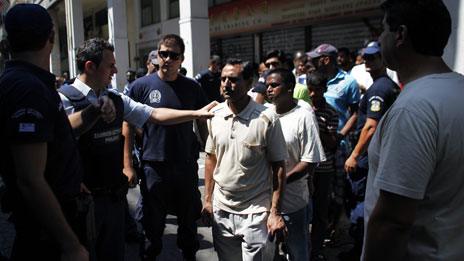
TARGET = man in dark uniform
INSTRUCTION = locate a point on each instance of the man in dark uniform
(101, 142)
(375, 102)
(39, 159)
(210, 79)
(170, 153)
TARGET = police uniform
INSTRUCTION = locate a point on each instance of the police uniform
(31, 112)
(169, 162)
(375, 102)
(101, 148)
(211, 83)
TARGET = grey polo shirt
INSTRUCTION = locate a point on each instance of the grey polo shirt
(134, 112)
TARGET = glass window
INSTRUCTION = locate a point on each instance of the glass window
(173, 9)
(147, 12)
(156, 11)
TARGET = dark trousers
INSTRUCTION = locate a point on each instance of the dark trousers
(109, 227)
(320, 221)
(170, 189)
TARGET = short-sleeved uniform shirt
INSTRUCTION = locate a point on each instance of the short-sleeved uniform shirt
(134, 112)
(342, 91)
(245, 145)
(418, 152)
(210, 82)
(301, 134)
(31, 112)
(375, 102)
(174, 143)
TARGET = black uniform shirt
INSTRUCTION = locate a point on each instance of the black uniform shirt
(375, 102)
(31, 112)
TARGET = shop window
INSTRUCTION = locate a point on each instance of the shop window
(150, 12)
(173, 9)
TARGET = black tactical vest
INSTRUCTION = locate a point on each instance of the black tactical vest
(101, 147)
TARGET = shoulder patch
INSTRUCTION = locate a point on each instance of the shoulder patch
(376, 105)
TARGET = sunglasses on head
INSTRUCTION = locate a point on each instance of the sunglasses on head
(274, 64)
(231, 79)
(172, 55)
(273, 84)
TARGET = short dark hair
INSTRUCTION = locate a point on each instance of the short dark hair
(428, 23)
(279, 54)
(345, 51)
(28, 27)
(171, 40)
(288, 79)
(92, 50)
(247, 67)
(316, 79)
(215, 59)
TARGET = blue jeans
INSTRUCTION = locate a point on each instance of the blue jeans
(297, 240)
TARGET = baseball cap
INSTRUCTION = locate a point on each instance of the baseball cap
(153, 57)
(372, 48)
(323, 50)
(28, 19)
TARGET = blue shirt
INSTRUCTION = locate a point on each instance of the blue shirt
(175, 142)
(342, 91)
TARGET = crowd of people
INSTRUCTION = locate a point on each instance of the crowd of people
(291, 146)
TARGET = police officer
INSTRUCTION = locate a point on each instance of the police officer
(375, 102)
(39, 159)
(210, 79)
(101, 141)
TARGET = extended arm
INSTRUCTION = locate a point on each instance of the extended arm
(363, 142)
(171, 116)
(389, 227)
(41, 200)
(210, 164)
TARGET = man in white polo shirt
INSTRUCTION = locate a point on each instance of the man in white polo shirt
(244, 171)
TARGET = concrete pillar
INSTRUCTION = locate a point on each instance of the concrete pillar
(55, 58)
(455, 47)
(194, 29)
(75, 32)
(117, 28)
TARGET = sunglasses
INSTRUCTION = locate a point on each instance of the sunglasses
(172, 55)
(273, 84)
(274, 64)
(231, 79)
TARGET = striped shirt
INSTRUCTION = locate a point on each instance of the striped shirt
(327, 119)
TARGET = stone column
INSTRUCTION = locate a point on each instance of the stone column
(75, 32)
(117, 27)
(194, 29)
(55, 58)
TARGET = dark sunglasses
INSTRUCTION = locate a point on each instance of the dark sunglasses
(273, 84)
(172, 55)
(274, 64)
(231, 79)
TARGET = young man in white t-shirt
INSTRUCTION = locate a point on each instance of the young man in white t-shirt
(305, 150)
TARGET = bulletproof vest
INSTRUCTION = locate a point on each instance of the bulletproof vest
(101, 147)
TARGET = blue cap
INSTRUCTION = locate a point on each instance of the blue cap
(372, 48)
